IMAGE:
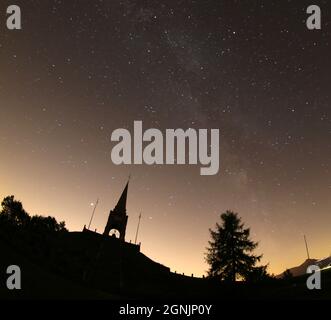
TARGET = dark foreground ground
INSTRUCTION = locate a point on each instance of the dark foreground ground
(83, 266)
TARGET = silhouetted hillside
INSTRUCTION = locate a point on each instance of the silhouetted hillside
(87, 265)
(299, 270)
(56, 263)
(302, 268)
(40, 283)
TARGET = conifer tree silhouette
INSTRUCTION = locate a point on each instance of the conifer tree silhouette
(229, 254)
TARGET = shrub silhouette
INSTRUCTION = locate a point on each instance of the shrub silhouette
(33, 236)
(13, 212)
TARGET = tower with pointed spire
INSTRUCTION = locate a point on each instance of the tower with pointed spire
(118, 218)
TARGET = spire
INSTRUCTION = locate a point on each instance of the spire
(121, 204)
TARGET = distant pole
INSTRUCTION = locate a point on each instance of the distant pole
(89, 225)
(304, 236)
(135, 241)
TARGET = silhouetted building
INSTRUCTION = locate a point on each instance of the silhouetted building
(116, 224)
(118, 219)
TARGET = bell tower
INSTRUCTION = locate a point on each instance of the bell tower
(118, 218)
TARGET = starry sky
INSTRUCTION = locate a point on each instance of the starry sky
(80, 69)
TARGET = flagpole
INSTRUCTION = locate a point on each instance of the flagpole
(135, 241)
(304, 236)
(89, 225)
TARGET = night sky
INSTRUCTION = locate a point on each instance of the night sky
(80, 69)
